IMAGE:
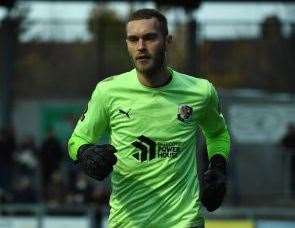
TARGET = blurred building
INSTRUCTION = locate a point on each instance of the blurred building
(266, 63)
(71, 69)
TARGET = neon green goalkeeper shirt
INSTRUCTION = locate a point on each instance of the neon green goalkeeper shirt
(154, 182)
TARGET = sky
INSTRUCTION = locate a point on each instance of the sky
(219, 20)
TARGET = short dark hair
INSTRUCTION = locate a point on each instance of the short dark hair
(148, 14)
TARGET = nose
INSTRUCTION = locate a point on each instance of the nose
(140, 44)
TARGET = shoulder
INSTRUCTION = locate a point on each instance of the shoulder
(194, 83)
(114, 81)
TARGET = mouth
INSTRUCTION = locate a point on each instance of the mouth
(142, 57)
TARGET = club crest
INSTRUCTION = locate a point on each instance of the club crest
(184, 113)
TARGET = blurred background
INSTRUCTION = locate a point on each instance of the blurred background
(52, 54)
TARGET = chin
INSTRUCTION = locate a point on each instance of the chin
(147, 69)
(144, 69)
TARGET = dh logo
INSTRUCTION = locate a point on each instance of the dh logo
(147, 148)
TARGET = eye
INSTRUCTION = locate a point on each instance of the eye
(150, 36)
(132, 39)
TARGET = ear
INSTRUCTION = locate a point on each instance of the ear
(168, 39)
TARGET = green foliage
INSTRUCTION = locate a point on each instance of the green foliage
(104, 22)
(108, 31)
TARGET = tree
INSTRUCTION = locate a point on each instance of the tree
(108, 31)
(11, 27)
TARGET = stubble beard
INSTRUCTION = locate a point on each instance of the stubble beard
(156, 65)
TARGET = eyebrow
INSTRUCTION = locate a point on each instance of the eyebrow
(146, 35)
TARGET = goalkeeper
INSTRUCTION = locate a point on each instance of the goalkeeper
(152, 114)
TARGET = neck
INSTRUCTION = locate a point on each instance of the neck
(157, 78)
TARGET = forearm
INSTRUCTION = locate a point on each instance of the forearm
(214, 179)
(218, 143)
(74, 143)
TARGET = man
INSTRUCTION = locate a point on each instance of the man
(152, 114)
(288, 143)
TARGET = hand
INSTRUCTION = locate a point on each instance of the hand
(214, 183)
(97, 160)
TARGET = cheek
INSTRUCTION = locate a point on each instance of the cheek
(157, 47)
(130, 51)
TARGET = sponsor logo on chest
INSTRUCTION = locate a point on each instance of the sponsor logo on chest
(149, 149)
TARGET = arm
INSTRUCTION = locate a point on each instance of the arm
(96, 160)
(214, 127)
(217, 137)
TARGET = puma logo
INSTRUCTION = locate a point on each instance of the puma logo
(125, 113)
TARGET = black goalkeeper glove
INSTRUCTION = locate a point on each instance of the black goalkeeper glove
(214, 183)
(97, 160)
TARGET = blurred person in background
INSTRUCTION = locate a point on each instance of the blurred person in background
(26, 158)
(5, 197)
(288, 142)
(51, 156)
(57, 190)
(24, 190)
(25, 172)
(81, 191)
(7, 149)
(100, 199)
(152, 113)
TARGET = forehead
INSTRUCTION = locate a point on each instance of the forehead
(143, 26)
